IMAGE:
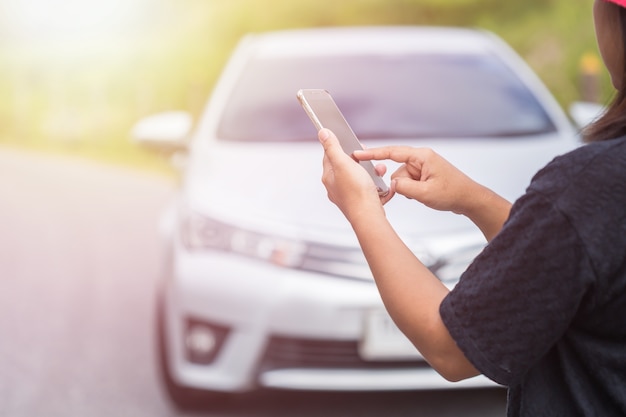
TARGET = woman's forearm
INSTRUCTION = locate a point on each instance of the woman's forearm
(487, 210)
(411, 293)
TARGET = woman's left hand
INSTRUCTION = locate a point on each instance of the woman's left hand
(348, 184)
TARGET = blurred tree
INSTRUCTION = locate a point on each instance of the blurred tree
(87, 88)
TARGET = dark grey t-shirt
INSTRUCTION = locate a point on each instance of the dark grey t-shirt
(542, 309)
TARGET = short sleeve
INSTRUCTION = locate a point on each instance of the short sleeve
(521, 293)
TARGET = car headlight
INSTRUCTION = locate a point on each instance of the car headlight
(201, 232)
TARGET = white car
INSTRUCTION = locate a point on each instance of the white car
(264, 284)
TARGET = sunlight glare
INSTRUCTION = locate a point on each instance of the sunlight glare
(68, 19)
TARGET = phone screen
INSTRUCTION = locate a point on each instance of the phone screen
(324, 113)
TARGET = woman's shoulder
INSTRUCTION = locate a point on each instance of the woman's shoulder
(587, 186)
(588, 167)
(612, 148)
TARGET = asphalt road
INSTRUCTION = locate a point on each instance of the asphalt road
(78, 267)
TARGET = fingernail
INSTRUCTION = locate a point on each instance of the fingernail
(322, 135)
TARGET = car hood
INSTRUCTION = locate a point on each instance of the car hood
(277, 187)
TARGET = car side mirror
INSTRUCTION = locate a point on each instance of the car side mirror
(585, 112)
(164, 132)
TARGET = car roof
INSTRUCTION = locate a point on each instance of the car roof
(379, 40)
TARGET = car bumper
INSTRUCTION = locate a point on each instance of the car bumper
(284, 328)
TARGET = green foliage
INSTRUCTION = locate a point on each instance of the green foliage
(83, 96)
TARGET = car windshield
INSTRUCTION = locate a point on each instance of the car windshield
(385, 97)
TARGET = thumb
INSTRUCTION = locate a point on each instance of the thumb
(329, 141)
(410, 188)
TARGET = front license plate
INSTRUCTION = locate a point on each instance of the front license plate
(382, 340)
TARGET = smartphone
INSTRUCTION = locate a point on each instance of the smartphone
(324, 113)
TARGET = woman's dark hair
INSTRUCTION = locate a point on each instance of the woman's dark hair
(612, 124)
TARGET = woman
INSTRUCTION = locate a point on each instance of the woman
(542, 309)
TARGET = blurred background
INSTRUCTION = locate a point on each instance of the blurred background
(78, 242)
(75, 74)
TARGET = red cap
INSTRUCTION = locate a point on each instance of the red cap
(619, 2)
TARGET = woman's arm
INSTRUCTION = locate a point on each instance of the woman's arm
(411, 293)
(430, 179)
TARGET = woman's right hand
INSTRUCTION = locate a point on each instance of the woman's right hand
(428, 178)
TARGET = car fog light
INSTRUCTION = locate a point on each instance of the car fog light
(201, 342)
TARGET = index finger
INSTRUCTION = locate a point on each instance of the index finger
(400, 154)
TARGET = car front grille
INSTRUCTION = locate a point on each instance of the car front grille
(348, 262)
(285, 353)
